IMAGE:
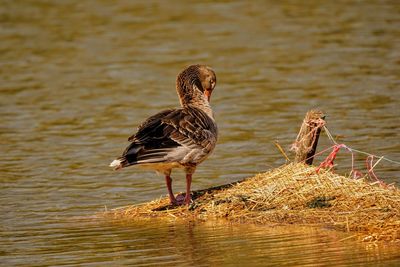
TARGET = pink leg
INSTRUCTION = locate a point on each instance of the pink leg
(172, 198)
(188, 197)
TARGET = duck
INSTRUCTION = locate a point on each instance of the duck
(178, 137)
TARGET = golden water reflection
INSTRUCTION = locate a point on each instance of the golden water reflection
(78, 76)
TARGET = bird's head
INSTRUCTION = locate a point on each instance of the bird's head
(208, 81)
(195, 81)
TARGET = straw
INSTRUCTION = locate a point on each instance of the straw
(291, 194)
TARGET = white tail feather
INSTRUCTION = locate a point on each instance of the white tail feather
(116, 164)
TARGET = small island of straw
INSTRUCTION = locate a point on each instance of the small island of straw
(293, 194)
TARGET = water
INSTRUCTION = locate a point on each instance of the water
(77, 78)
(189, 244)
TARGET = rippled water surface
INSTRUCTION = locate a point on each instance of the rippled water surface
(77, 77)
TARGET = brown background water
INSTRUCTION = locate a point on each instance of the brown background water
(77, 77)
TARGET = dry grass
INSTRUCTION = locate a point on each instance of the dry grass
(291, 194)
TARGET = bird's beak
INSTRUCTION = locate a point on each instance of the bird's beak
(207, 94)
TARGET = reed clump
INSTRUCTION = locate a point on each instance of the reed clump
(291, 194)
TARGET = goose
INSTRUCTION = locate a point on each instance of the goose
(177, 138)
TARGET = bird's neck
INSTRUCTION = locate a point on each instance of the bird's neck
(202, 105)
(192, 97)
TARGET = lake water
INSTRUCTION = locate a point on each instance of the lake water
(77, 77)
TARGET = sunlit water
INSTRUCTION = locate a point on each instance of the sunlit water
(77, 77)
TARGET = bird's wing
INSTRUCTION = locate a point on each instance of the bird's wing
(151, 142)
(171, 135)
(192, 128)
(149, 127)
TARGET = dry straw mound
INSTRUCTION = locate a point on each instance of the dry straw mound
(291, 194)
